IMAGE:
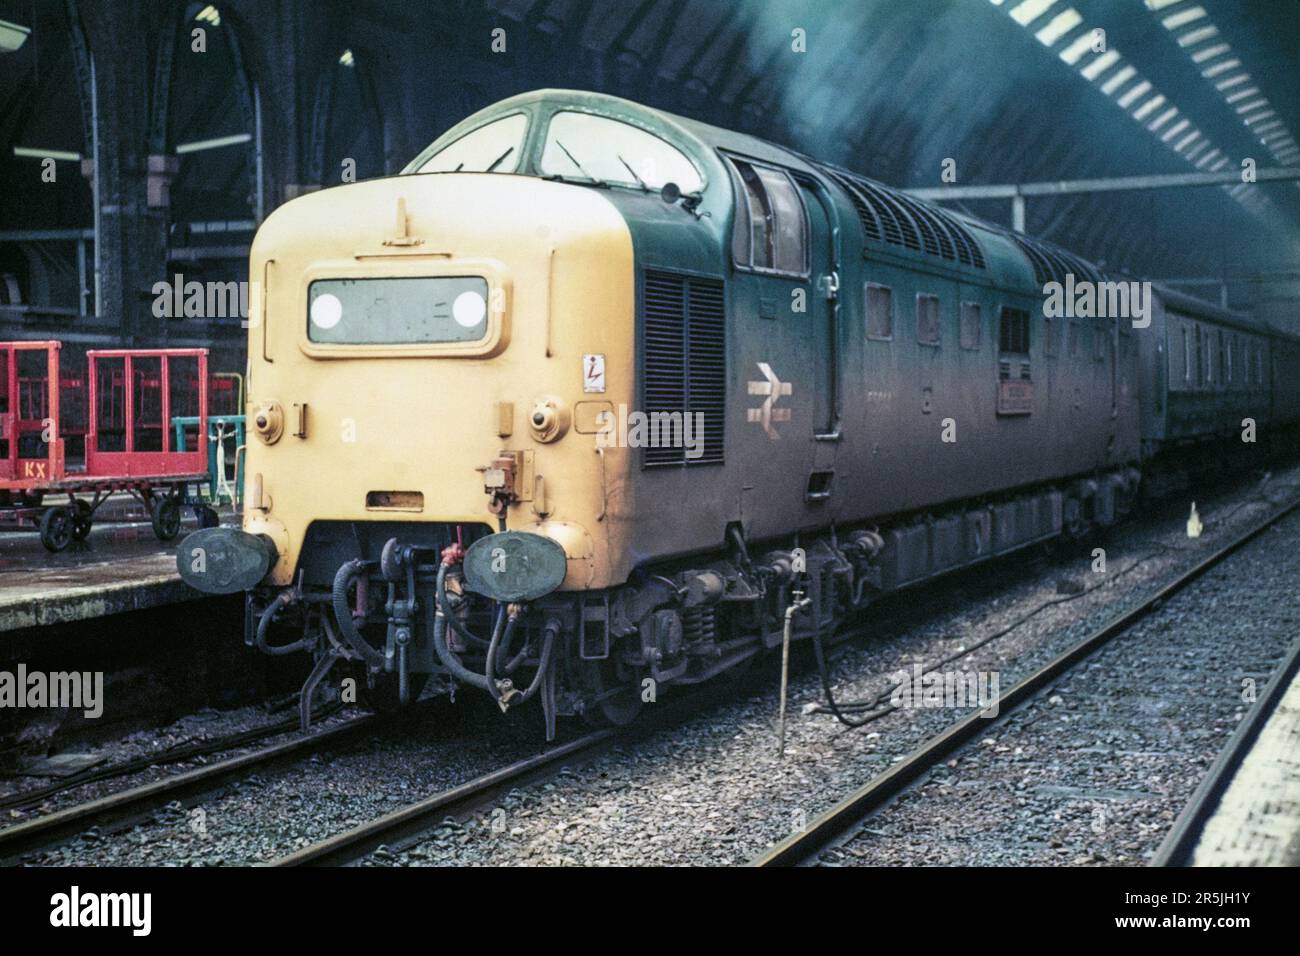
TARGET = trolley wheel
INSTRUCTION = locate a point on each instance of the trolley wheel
(56, 529)
(166, 517)
(81, 521)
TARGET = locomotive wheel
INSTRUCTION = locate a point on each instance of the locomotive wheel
(56, 529)
(617, 710)
(81, 521)
(166, 518)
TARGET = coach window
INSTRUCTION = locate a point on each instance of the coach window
(927, 319)
(970, 325)
(880, 311)
(493, 148)
(771, 229)
(1187, 356)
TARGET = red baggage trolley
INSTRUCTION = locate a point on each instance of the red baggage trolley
(123, 407)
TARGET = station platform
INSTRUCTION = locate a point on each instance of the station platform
(1257, 820)
(121, 566)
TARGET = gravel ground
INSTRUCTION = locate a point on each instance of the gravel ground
(1095, 769)
(281, 809)
(712, 790)
(202, 727)
(708, 790)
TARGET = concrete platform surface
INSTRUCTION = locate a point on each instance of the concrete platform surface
(1257, 823)
(119, 567)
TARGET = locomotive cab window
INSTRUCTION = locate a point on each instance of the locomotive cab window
(493, 148)
(771, 232)
(604, 150)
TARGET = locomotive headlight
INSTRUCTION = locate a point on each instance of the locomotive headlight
(549, 419)
(468, 309)
(326, 310)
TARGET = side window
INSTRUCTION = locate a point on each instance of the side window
(927, 318)
(1187, 356)
(880, 311)
(771, 229)
(970, 325)
(1050, 332)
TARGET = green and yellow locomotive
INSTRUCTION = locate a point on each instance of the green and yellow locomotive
(574, 401)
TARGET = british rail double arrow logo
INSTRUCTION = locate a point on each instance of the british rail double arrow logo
(767, 413)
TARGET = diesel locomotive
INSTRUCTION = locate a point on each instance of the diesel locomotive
(571, 407)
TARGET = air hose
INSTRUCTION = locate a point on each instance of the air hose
(445, 654)
(347, 572)
(502, 635)
(282, 600)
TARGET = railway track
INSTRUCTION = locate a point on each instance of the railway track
(805, 847)
(410, 824)
(187, 751)
(1180, 843)
(121, 810)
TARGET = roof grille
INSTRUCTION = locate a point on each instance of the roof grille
(896, 218)
(1051, 263)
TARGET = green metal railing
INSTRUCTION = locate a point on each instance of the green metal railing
(225, 438)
